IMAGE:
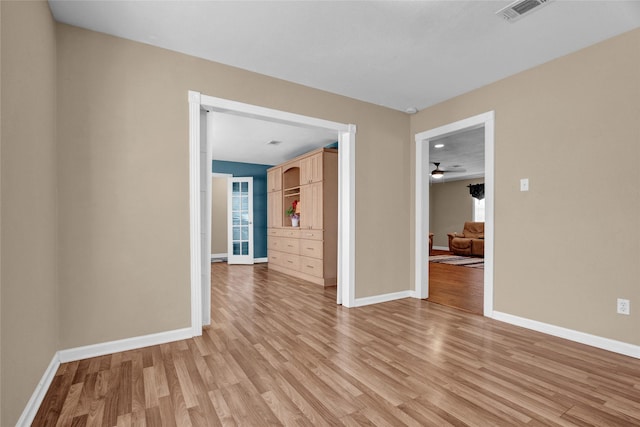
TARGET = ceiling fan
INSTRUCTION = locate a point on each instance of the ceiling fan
(438, 173)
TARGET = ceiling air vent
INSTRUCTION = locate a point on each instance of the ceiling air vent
(519, 8)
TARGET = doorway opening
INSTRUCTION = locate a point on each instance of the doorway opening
(422, 222)
(200, 192)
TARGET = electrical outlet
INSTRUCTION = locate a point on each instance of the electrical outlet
(623, 306)
(524, 184)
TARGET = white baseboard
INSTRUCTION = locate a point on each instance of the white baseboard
(255, 260)
(571, 335)
(441, 248)
(79, 353)
(376, 299)
(85, 352)
(37, 397)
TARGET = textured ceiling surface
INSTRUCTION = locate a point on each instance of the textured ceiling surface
(398, 54)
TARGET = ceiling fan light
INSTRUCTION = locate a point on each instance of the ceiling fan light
(437, 174)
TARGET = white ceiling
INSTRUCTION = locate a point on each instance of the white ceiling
(463, 150)
(398, 54)
(243, 139)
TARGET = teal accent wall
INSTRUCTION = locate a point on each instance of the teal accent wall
(259, 174)
(332, 145)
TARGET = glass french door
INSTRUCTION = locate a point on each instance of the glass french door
(240, 214)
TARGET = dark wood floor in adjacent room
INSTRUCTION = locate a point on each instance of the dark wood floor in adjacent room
(456, 286)
(281, 352)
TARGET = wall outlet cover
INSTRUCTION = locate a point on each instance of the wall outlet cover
(623, 306)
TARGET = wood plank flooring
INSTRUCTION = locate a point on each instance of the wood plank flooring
(280, 352)
(456, 286)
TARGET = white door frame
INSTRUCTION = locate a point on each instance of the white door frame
(422, 202)
(200, 163)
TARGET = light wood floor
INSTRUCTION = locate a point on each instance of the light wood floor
(280, 352)
(456, 286)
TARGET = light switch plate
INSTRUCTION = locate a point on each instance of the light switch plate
(524, 184)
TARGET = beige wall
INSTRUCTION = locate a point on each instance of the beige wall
(565, 250)
(29, 285)
(450, 205)
(124, 188)
(219, 216)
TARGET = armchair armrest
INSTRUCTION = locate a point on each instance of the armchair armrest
(451, 237)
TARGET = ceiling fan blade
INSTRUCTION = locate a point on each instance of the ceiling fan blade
(453, 170)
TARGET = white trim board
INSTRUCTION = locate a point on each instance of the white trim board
(30, 411)
(195, 213)
(377, 299)
(94, 350)
(85, 352)
(441, 248)
(260, 260)
(223, 255)
(200, 303)
(619, 347)
(421, 249)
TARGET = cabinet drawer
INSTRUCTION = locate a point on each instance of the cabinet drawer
(276, 258)
(291, 261)
(275, 243)
(288, 245)
(290, 232)
(311, 248)
(274, 232)
(311, 234)
(311, 266)
(283, 244)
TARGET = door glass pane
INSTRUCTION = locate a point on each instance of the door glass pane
(236, 248)
(245, 233)
(236, 233)
(245, 187)
(245, 248)
(235, 203)
(236, 187)
(236, 218)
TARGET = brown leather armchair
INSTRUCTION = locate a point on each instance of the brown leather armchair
(470, 242)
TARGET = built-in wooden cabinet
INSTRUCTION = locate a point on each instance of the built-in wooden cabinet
(312, 208)
(308, 251)
(274, 209)
(311, 169)
(274, 179)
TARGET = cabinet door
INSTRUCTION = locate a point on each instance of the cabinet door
(274, 209)
(274, 180)
(311, 169)
(311, 206)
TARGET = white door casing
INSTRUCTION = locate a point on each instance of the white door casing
(200, 299)
(422, 139)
